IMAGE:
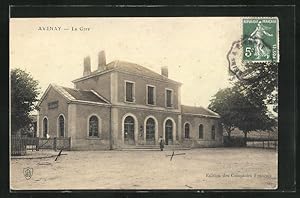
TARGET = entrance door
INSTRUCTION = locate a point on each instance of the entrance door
(129, 130)
(169, 132)
(150, 131)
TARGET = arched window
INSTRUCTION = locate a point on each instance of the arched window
(45, 127)
(94, 126)
(213, 132)
(129, 130)
(168, 131)
(150, 130)
(200, 131)
(61, 126)
(187, 130)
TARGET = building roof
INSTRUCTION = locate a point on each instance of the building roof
(76, 95)
(128, 67)
(201, 111)
(84, 95)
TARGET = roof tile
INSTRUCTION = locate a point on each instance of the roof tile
(83, 95)
(198, 110)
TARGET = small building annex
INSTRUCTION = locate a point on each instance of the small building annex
(124, 104)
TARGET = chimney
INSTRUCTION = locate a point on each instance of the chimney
(164, 71)
(86, 66)
(101, 61)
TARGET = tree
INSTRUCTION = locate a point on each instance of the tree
(24, 93)
(263, 84)
(223, 104)
(239, 111)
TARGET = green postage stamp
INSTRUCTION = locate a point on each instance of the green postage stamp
(260, 39)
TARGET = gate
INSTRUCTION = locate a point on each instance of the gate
(20, 144)
(56, 143)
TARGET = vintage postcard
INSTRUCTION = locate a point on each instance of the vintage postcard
(149, 103)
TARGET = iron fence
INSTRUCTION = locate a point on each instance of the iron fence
(19, 144)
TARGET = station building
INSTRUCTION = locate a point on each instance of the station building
(124, 104)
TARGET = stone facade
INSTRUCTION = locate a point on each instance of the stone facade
(52, 114)
(98, 116)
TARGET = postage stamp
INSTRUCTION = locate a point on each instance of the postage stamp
(148, 96)
(259, 43)
(260, 37)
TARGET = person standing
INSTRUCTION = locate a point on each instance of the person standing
(161, 143)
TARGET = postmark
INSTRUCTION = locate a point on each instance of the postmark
(258, 47)
(241, 69)
(27, 172)
(260, 36)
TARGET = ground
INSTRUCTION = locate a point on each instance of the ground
(206, 168)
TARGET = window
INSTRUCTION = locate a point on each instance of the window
(213, 132)
(168, 131)
(129, 91)
(129, 130)
(200, 131)
(150, 130)
(45, 127)
(187, 130)
(169, 98)
(61, 126)
(94, 126)
(150, 95)
(53, 105)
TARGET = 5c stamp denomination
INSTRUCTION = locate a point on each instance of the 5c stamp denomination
(260, 37)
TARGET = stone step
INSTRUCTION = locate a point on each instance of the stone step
(153, 148)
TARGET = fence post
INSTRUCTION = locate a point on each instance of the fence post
(37, 144)
(32, 143)
(54, 144)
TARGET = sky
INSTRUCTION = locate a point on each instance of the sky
(193, 48)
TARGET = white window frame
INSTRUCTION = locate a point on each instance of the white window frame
(136, 126)
(154, 94)
(190, 126)
(133, 91)
(156, 128)
(174, 128)
(99, 127)
(44, 126)
(57, 125)
(172, 98)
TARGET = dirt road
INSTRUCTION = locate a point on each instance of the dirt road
(208, 168)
